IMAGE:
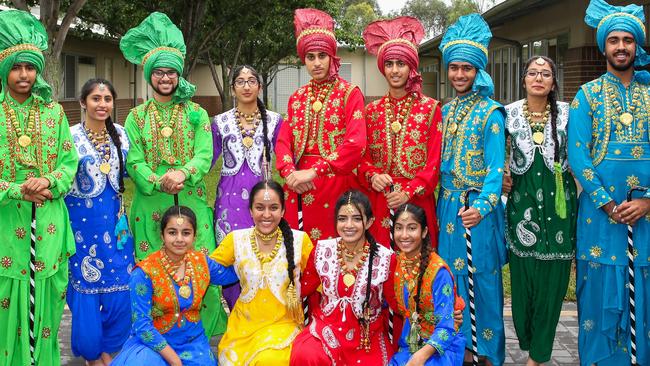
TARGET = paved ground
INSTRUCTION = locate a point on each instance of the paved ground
(565, 348)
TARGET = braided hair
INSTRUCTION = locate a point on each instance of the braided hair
(552, 101)
(86, 90)
(260, 106)
(419, 215)
(361, 202)
(287, 233)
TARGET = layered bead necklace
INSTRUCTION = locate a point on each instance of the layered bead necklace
(411, 269)
(266, 257)
(251, 119)
(346, 256)
(403, 106)
(172, 270)
(623, 120)
(537, 126)
(316, 100)
(164, 124)
(457, 118)
(101, 143)
(24, 137)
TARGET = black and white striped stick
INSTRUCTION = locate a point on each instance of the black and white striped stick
(176, 199)
(32, 287)
(470, 278)
(301, 225)
(391, 314)
(630, 271)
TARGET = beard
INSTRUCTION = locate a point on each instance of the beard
(611, 60)
(164, 94)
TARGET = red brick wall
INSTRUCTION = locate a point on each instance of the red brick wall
(582, 64)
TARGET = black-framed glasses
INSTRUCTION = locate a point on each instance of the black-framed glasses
(172, 74)
(252, 82)
(534, 73)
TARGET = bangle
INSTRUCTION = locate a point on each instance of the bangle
(613, 211)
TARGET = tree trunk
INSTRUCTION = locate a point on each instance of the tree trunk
(265, 86)
(226, 95)
(53, 74)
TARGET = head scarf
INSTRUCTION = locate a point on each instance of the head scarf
(155, 43)
(23, 39)
(467, 40)
(315, 33)
(607, 18)
(397, 39)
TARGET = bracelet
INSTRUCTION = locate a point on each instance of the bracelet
(613, 211)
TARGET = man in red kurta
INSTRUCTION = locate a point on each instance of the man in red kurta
(404, 129)
(324, 136)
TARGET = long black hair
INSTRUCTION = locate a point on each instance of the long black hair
(260, 106)
(287, 234)
(88, 88)
(174, 212)
(421, 217)
(362, 203)
(552, 101)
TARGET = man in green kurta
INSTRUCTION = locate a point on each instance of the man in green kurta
(171, 148)
(37, 164)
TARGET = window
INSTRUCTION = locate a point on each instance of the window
(76, 71)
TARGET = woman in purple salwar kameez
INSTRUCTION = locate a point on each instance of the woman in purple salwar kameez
(244, 136)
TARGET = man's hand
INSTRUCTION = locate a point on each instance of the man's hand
(380, 182)
(34, 185)
(630, 212)
(506, 185)
(173, 181)
(301, 181)
(471, 217)
(38, 197)
(394, 199)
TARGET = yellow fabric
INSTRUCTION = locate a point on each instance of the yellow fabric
(260, 330)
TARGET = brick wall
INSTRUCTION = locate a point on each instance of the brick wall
(212, 104)
(582, 64)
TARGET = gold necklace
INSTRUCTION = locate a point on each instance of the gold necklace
(266, 257)
(397, 120)
(458, 118)
(172, 267)
(349, 274)
(247, 135)
(100, 141)
(537, 126)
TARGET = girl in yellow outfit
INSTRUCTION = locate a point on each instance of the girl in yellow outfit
(268, 259)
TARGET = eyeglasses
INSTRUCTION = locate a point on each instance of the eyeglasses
(534, 73)
(172, 74)
(252, 82)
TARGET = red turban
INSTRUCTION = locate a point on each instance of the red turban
(397, 39)
(315, 33)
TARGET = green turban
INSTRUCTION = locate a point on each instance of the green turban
(155, 43)
(23, 39)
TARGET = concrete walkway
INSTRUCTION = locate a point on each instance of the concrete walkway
(565, 348)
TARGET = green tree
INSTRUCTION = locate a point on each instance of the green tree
(459, 8)
(50, 13)
(432, 14)
(354, 20)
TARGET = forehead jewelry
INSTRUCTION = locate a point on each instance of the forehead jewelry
(406, 208)
(101, 86)
(267, 195)
(540, 61)
(349, 207)
(179, 220)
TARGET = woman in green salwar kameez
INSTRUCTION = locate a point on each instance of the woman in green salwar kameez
(38, 162)
(541, 209)
(171, 148)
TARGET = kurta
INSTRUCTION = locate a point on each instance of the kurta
(99, 266)
(473, 155)
(333, 334)
(436, 316)
(184, 336)
(260, 330)
(608, 158)
(241, 168)
(151, 155)
(331, 141)
(411, 156)
(541, 244)
(51, 154)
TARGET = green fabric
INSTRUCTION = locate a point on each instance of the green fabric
(19, 27)
(55, 241)
(155, 31)
(149, 203)
(538, 290)
(14, 317)
(533, 228)
(560, 197)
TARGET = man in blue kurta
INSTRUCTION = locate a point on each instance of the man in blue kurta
(473, 155)
(609, 153)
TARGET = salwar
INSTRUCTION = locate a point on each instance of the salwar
(14, 317)
(603, 314)
(538, 290)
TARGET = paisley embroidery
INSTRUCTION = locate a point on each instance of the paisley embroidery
(527, 237)
(89, 272)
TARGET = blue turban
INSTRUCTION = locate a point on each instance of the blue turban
(608, 18)
(467, 41)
